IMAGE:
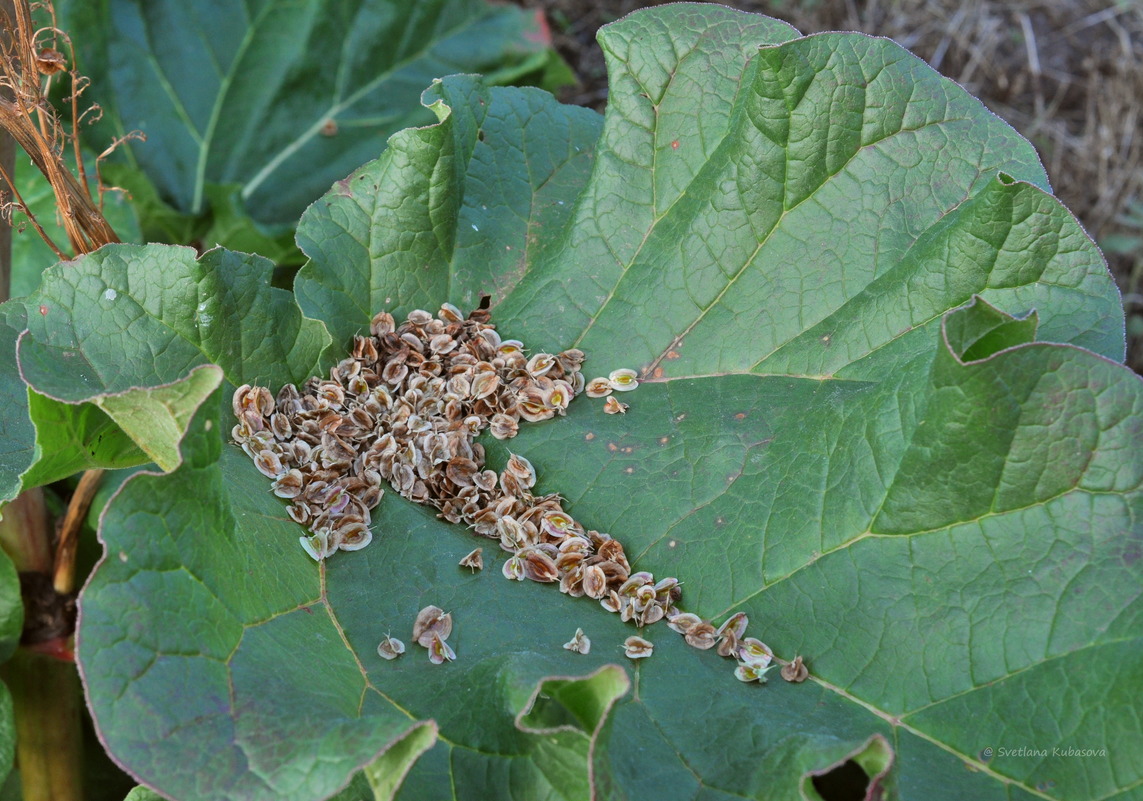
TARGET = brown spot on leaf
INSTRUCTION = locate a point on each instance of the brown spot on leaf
(664, 440)
(672, 354)
(658, 373)
(740, 416)
(589, 436)
(611, 446)
(329, 128)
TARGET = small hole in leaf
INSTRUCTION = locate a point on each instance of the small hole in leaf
(480, 134)
(846, 782)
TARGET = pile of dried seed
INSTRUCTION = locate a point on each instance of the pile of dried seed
(405, 408)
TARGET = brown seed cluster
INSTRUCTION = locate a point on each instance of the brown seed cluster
(405, 409)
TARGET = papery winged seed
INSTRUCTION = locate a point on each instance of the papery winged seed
(390, 648)
(735, 623)
(439, 650)
(513, 569)
(450, 313)
(538, 566)
(755, 652)
(613, 406)
(474, 559)
(540, 364)
(594, 582)
(635, 581)
(637, 648)
(728, 644)
(354, 536)
(269, 464)
(598, 388)
(316, 545)
(521, 468)
(623, 380)
(419, 317)
(579, 644)
(746, 672)
(795, 671)
(289, 484)
(652, 614)
(432, 620)
(382, 324)
(701, 636)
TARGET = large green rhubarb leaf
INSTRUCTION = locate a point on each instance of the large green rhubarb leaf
(881, 412)
(275, 99)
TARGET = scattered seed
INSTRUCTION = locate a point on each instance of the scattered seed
(613, 406)
(623, 380)
(390, 648)
(795, 671)
(580, 643)
(747, 672)
(637, 648)
(475, 560)
(431, 621)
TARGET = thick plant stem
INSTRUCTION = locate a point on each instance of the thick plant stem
(46, 697)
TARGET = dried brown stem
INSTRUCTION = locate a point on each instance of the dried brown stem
(35, 127)
(64, 577)
(27, 211)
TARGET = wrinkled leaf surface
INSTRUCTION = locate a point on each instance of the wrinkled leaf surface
(882, 413)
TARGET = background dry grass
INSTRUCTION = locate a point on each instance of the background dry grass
(1067, 74)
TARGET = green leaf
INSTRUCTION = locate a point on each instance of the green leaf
(881, 413)
(123, 345)
(17, 434)
(280, 98)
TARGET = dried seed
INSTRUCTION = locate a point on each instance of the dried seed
(754, 652)
(317, 545)
(623, 380)
(538, 566)
(748, 672)
(431, 620)
(354, 536)
(513, 569)
(475, 560)
(580, 643)
(269, 464)
(701, 636)
(795, 671)
(390, 648)
(598, 388)
(540, 364)
(637, 648)
(736, 623)
(613, 406)
(439, 650)
(594, 582)
(289, 484)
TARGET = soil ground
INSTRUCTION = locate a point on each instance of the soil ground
(1067, 74)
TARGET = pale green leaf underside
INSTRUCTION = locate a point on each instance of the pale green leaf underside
(951, 543)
